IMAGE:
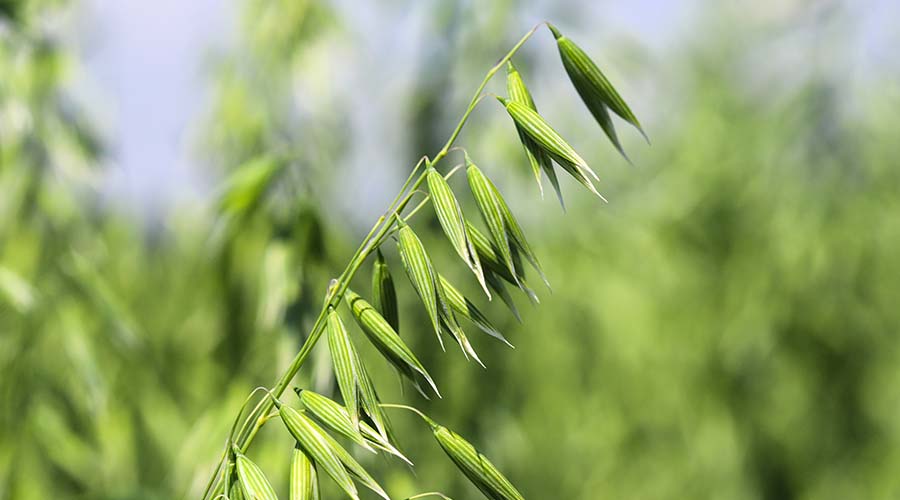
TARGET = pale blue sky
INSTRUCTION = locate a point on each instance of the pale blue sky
(145, 71)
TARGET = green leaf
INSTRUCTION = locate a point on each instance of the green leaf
(450, 215)
(387, 341)
(252, 479)
(421, 273)
(311, 440)
(346, 364)
(592, 85)
(537, 157)
(244, 188)
(16, 291)
(384, 295)
(304, 483)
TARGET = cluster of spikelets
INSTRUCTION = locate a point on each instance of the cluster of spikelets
(496, 260)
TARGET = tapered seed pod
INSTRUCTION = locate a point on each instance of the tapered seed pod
(336, 417)
(480, 471)
(333, 415)
(537, 157)
(350, 464)
(450, 215)
(384, 296)
(591, 84)
(502, 224)
(304, 482)
(310, 439)
(491, 212)
(543, 134)
(345, 360)
(421, 273)
(475, 466)
(386, 340)
(252, 479)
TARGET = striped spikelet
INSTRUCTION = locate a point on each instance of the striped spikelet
(310, 439)
(450, 215)
(384, 295)
(304, 482)
(475, 466)
(251, 477)
(537, 157)
(387, 341)
(550, 141)
(593, 87)
(421, 273)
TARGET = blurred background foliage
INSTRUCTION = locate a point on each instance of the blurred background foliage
(724, 328)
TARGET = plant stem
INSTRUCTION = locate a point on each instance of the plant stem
(373, 239)
(477, 97)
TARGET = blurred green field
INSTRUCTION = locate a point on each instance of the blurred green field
(723, 328)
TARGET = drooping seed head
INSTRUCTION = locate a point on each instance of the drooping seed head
(450, 325)
(371, 403)
(336, 417)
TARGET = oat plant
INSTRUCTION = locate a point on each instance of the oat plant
(496, 258)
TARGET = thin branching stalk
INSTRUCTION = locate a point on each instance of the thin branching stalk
(380, 230)
(542, 144)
